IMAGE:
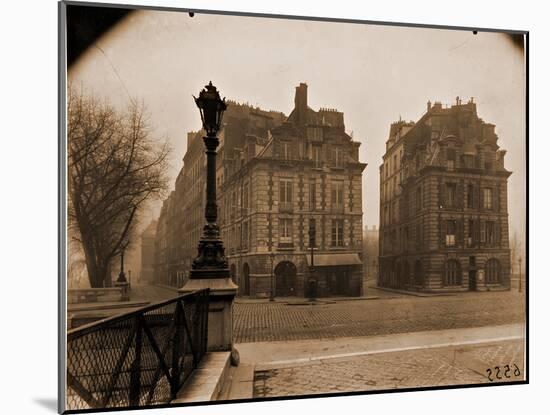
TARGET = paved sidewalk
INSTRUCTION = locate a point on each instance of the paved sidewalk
(455, 365)
(453, 356)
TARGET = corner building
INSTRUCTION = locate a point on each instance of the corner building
(303, 172)
(444, 204)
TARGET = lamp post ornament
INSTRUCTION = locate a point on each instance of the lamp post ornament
(210, 261)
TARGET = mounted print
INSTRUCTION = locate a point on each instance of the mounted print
(256, 207)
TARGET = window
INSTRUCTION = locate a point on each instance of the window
(337, 233)
(286, 150)
(246, 235)
(394, 163)
(317, 156)
(490, 233)
(339, 157)
(233, 204)
(312, 195)
(337, 195)
(285, 231)
(487, 198)
(451, 158)
(453, 275)
(418, 236)
(470, 196)
(469, 161)
(470, 237)
(418, 198)
(450, 194)
(450, 236)
(492, 271)
(312, 238)
(488, 161)
(285, 194)
(245, 200)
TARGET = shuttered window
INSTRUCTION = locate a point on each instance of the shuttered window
(487, 198)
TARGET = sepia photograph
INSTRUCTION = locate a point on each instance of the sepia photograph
(263, 206)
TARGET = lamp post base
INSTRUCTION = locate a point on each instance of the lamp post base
(220, 309)
(209, 273)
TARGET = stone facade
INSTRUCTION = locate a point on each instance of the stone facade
(303, 172)
(444, 204)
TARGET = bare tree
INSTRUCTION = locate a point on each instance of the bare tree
(114, 168)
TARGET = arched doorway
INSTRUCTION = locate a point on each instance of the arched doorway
(452, 276)
(246, 280)
(406, 274)
(492, 271)
(398, 275)
(285, 279)
(233, 273)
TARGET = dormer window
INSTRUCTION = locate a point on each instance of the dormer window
(451, 158)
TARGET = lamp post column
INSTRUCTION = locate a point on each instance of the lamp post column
(272, 291)
(519, 288)
(210, 269)
(312, 283)
(121, 281)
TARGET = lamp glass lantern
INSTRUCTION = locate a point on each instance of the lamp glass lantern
(211, 107)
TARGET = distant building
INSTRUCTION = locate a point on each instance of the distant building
(148, 252)
(276, 177)
(370, 253)
(444, 204)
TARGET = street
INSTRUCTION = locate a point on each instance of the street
(265, 321)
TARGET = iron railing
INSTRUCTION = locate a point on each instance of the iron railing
(138, 358)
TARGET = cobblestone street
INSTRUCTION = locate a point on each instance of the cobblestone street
(405, 369)
(265, 321)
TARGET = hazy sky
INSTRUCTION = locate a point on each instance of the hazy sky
(374, 74)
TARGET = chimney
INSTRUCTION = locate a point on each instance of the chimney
(429, 105)
(300, 103)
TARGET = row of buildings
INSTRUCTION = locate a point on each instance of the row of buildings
(443, 204)
(277, 176)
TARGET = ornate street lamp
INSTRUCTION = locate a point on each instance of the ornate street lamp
(122, 276)
(210, 261)
(272, 292)
(121, 281)
(312, 283)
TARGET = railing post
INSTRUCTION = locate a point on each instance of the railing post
(176, 346)
(135, 372)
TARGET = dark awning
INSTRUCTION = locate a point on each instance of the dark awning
(334, 260)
